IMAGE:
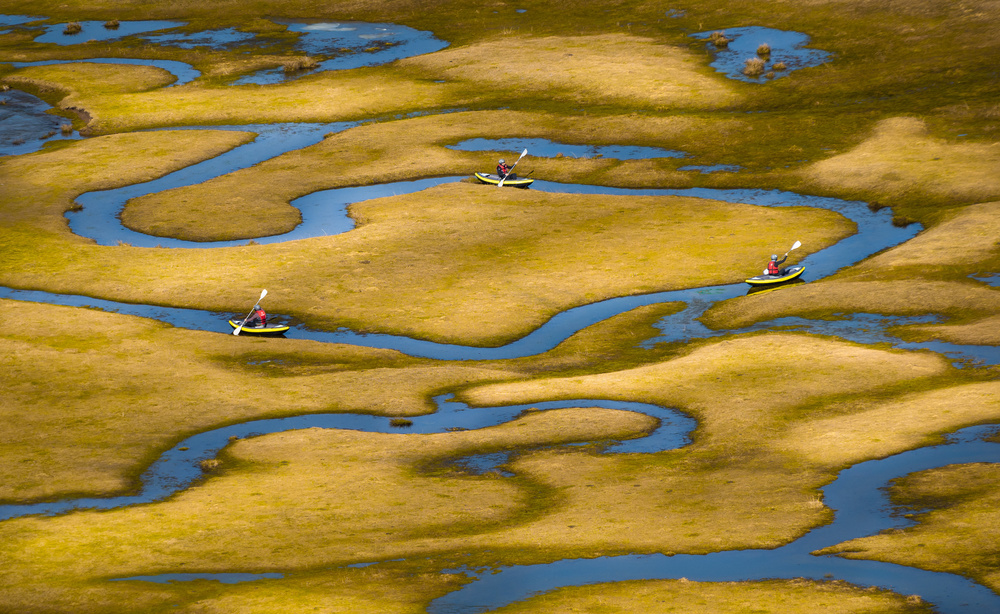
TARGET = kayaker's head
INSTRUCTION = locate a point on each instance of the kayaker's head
(773, 257)
(256, 307)
(502, 161)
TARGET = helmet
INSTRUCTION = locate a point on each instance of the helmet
(256, 307)
(501, 161)
(773, 257)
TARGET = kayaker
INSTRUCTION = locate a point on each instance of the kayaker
(774, 266)
(502, 168)
(258, 319)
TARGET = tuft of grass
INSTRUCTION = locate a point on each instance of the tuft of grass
(400, 422)
(299, 64)
(112, 24)
(902, 221)
(72, 28)
(66, 129)
(210, 465)
(780, 66)
(764, 50)
(754, 67)
(719, 39)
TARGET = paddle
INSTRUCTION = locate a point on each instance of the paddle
(795, 245)
(263, 293)
(523, 153)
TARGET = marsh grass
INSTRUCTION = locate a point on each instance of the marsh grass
(718, 38)
(72, 28)
(788, 596)
(400, 422)
(112, 24)
(754, 67)
(764, 50)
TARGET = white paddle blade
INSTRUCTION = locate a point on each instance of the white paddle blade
(796, 245)
(263, 293)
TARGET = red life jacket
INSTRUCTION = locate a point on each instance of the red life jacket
(262, 316)
(772, 268)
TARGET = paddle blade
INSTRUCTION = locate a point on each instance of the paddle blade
(263, 293)
(238, 329)
(796, 245)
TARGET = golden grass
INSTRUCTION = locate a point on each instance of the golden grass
(608, 68)
(459, 262)
(324, 97)
(765, 597)
(875, 429)
(903, 298)
(745, 389)
(980, 332)
(958, 535)
(107, 393)
(901, 157)
(967, 237)
(396, 151)
(307, 498)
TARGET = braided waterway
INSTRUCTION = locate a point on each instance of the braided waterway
(856, 496)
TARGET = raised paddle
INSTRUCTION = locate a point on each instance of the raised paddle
(500, 184)
(263, 293)
(795, 245)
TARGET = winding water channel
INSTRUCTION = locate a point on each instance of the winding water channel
(856, 495)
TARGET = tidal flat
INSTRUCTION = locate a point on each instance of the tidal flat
(656, 327)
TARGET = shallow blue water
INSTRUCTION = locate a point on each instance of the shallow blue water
(353, 44)
(25, 125)
(225, 38)
(787, 47)
(95, 30)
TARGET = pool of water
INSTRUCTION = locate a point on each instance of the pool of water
(225, 38)
(352, 44)
(26, 125)
(786, 47)
(96, 31)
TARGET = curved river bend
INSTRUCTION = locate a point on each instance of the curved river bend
(855, 495)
